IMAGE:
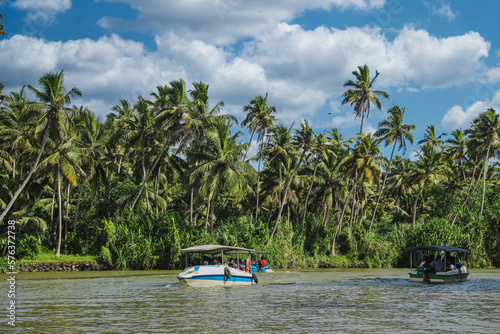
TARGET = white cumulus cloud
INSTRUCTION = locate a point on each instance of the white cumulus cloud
(42, 12)
(456, 117)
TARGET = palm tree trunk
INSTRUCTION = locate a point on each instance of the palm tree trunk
(307, 197)
(77, 207)
(156, 192)
(327, 216)
(337, 230)
(484, 180)
(353, 210)
(345, 205)
(415, 206)
(119, 165)
(257, 196)
(251, 137)
(281, 182)
(66, 220)
(207, 215)
(52, 210)
(191, 207)
(149, 174)
(58, 177)
(383, 186)
(146, 192)
(285, 195)
(216, 200)
(26, 180)
(468, 195)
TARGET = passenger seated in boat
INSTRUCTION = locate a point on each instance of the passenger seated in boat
(205, 261)
(427, 261)
(438, 265)
(452, 266)
(262, 264)
(196, 262)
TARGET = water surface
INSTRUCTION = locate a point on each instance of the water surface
(286, 301)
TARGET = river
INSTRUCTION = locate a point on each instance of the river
(286, 301)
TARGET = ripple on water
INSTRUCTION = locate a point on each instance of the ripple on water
(284, 302)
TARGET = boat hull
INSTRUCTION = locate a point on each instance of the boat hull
(255, 269)
(450, 276)
(212, 275)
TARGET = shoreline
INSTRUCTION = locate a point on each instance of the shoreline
(62, 266)
(76, 266)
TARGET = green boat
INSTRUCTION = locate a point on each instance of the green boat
(446, 270)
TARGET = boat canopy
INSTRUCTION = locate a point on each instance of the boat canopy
(438, 248)
(246, 252)
(215, 249)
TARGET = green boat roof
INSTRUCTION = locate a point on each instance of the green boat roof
(438, 248)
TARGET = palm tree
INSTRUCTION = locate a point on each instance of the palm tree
(139, 133)
(260, 120)
(393, 130)
(428, 170)
(400, 181)
(277, 149)
(175, 122)
(63, 162)
(220, 167)
(53, 97)
(93, 138)
(17, 126)
(303, 142)
(431, 138)
(320, 152)
(457, 148)
(483, 137)
(361, 95)
(363, 165)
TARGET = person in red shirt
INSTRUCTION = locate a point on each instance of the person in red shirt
(262, 264)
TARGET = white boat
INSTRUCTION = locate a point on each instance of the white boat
(215, 274)
(428, 274)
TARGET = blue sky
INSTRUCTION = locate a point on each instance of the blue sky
(438, 59)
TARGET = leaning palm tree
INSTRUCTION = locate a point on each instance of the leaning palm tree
(320, 152)
(303, 142)
(393, 130)
(260, 120)
(53, 97)
(361, 95)
(276, 150)
(17, 127)
(484, 137)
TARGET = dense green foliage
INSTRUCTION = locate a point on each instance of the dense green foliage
(171, 172)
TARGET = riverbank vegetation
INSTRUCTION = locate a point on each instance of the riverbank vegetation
(170, 170)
